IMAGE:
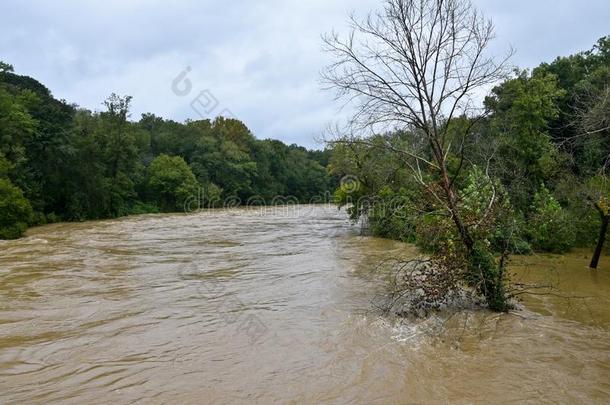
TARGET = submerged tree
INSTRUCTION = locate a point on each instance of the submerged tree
(597, 192)
(418, 66)
(593, 118)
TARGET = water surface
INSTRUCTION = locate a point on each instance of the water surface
(264, 306)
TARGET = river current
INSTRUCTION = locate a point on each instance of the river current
(273, 305)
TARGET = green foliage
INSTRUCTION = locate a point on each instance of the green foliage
(5, 67)
(549, 228)
(140, 208)
(393, 215)
(5, 166)
(17, 127)
(436, 233)
(486, 206)
(583, 77)
(478, 192)
(15, 210)
(368, 167)
(74, 164)
(171, 182)
(487, 277)
(522, 109)
(576, 198)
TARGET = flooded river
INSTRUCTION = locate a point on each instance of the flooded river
(274, 306)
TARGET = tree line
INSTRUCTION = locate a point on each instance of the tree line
(470, 184)
(59, 162)
(535, 139)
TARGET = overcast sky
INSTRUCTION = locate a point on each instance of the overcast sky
(260, 59)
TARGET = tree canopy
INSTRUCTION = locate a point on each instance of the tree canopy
(62, 162)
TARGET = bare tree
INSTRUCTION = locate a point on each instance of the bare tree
(594, 115)
(417, 65)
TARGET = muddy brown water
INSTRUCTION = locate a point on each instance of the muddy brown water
(271, 306)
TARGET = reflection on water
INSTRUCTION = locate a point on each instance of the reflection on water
(244, 306)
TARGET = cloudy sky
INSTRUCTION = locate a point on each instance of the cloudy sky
(258, 59)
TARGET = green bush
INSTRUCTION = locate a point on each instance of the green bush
(53, 218)
(436, 233)
(171, 182)
(15, 211)
(140, 208)
(497, 226)
(575, 197)
(211, 197)
(510, 234)
(393, 215)
(549, 227)
(37, 218)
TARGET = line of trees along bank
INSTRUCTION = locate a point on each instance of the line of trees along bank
(544, 138)
(476, 183)
(60, 162)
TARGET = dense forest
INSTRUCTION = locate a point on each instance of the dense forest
(59, 162)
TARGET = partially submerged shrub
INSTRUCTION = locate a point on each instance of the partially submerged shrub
(435, 233)
(421, 286)
(487, 276)
(485, 209)
(392, 215)
(15, 211)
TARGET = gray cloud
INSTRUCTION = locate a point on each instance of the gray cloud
(261, 59)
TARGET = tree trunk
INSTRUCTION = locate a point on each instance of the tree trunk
(600, 242)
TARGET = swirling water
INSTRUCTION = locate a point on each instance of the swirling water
(274, 306)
